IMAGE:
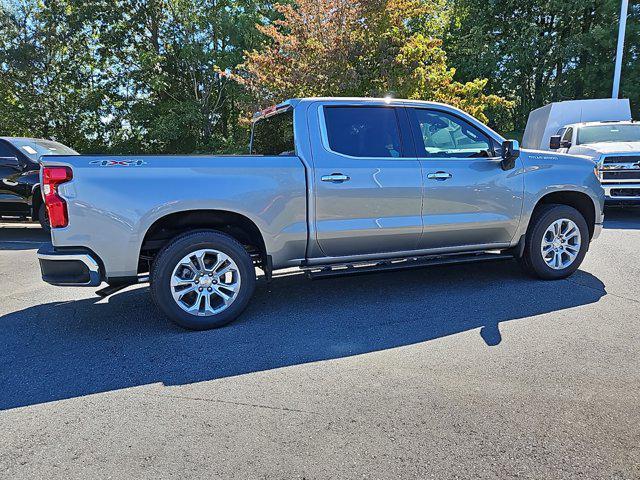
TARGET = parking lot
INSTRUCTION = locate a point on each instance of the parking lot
(469, 371)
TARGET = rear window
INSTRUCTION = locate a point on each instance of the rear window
(35, 148)
(274, 135)
(363, 131)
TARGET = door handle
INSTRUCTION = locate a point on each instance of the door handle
(439, 176)
(335, 178)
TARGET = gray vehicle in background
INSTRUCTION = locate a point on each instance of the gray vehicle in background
(331, 185)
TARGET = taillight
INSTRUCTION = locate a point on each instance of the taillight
(56, 205)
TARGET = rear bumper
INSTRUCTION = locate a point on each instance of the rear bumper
(72, 268)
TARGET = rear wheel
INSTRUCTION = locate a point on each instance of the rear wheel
(43, 217)
(203, 280)
(556, 243)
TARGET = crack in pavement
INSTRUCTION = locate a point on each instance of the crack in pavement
(231, 402)
(606, 293)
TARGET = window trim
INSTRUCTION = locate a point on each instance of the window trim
(324, 136)
(415, 128)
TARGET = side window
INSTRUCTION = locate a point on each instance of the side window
(363, 131)
(566, 137)
(447, 136)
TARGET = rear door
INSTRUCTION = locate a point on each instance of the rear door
(468, 199)
(14, 194)
(367, 184)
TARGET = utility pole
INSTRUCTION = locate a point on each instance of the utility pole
(623, 25)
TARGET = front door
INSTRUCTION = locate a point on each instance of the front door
(468, 199)
(368, 191)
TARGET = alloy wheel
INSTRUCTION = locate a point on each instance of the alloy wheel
(205, 282)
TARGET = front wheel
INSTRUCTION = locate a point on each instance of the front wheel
(556, 242)
(202, 280)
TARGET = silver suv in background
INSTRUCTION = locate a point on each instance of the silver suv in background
(330, 185)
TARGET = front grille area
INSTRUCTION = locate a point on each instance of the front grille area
(622, 159)
(625, 192)
(622, 175)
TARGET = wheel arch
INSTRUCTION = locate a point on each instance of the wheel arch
(581, 201)
(234, 224)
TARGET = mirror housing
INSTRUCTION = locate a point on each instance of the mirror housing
(554, 142)
(10, 162)
(510, 152)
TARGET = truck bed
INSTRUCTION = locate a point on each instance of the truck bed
(117, 199)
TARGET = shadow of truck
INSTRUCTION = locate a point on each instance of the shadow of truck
(64, 350)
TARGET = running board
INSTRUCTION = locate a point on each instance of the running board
(329, 271)
(111, 289)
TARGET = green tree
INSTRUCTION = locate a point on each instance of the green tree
(49, 76)
(367, 48)
(539, 51)
(172, 60)
(126, 75)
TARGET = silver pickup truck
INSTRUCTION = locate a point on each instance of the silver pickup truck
(333, 186)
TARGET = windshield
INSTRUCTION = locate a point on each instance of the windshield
(609, 133)
(35, 148)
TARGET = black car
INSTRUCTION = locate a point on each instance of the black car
(19, 176)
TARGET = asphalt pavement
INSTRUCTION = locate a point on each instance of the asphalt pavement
(469, 371)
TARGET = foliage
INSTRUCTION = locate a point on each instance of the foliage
(125, 75)
(540, 51)
(181, 76)
(366, 48)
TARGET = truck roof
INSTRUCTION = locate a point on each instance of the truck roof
(292, 102)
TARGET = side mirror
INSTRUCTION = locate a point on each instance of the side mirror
(554, 142)
(12, 162)
(510, 152)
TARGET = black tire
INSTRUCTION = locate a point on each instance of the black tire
(172, 253)
(532, 261)
(43, 217)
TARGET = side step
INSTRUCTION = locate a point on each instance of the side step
(329, 271)
(111, 289)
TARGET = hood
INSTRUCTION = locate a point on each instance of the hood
(612, 147)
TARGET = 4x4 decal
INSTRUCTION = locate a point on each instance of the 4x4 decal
(119, 163)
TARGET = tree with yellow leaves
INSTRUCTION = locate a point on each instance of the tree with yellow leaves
(361, 48)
